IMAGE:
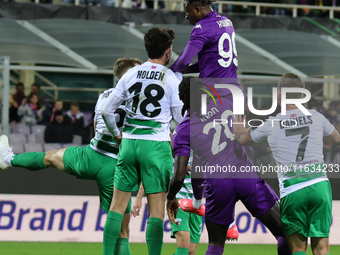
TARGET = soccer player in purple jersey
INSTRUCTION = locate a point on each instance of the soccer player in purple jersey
(223, 190)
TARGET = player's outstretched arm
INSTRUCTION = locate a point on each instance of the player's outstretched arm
(183, 61)
(333, 138)
(242, 133)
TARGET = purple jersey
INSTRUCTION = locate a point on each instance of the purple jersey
(213, 141)
(181, 138)
(213, 38)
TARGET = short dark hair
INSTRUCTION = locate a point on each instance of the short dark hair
(35, 84)
(123, 64)
(290, 80)
(184, 93)
(202, 2)
(75, 104)
(157, 40)
(19, 84)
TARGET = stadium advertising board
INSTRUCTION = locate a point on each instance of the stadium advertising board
(79, 219)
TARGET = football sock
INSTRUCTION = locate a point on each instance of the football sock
(299, 253)
(154, 235)
(111, 231)
(122, 247)
(30, 160)
(182, 251)
(214, 250)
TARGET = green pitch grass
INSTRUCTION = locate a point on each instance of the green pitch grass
(34, 248)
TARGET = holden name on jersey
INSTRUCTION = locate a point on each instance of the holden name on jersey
(153, 75)
(297, 121)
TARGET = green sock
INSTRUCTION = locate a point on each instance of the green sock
(111, 231)
(299, 253)
(154, 235)
(122, 247)
(182, 251)
(31, 160)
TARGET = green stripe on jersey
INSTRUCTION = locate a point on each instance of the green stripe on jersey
(302, 178)
(107, 138)
(104, 146)
(147, 123)
(139, 131)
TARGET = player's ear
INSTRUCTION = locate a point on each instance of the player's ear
(279, 96)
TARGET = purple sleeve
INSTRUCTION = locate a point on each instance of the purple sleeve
(185, 59)
(181, 146)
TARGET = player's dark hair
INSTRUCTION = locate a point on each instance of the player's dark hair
(123, 64)
(202, 2)
(19, 84)
(157, 40)
(290, 80)
(184, 93)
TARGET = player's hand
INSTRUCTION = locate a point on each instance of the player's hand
(188, 170)
(118, 139)
(240, 124)
(172, 209)
(136, 207)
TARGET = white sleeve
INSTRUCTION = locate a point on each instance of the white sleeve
(259, 134)
(112, 103)
(328, 128)
(177, 114)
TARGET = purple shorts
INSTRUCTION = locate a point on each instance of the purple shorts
(222, 195)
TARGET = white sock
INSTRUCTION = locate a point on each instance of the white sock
(197, 203)
(8, 158)
(232, 224)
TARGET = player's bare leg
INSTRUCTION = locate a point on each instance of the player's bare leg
(193, 248)
(182, 241)
(55, 159)
(32, 161)
(272, 220)
(320, 245)
(216, 236)
(155, 225)
(122, 244)
(297, 243)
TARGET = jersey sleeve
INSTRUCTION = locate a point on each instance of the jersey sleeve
(328, 128)
(182, 146)
(200, 36)
(259, 134)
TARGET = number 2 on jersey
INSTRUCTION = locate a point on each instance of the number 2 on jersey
(227, 54)
(149, 98)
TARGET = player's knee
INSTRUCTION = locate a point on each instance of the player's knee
(124, 232)
(49, 158)
(183, 239)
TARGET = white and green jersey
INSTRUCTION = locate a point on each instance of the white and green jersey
(103, 142)
(150, 92)
(186, 191)
(296, 141)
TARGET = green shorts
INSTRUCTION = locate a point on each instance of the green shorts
(188, 222)
(85, 163)
(308, 211)
(149, 162)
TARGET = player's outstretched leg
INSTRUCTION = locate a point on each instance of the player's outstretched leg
(216, 235)
(272, 220)
(5, 153)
